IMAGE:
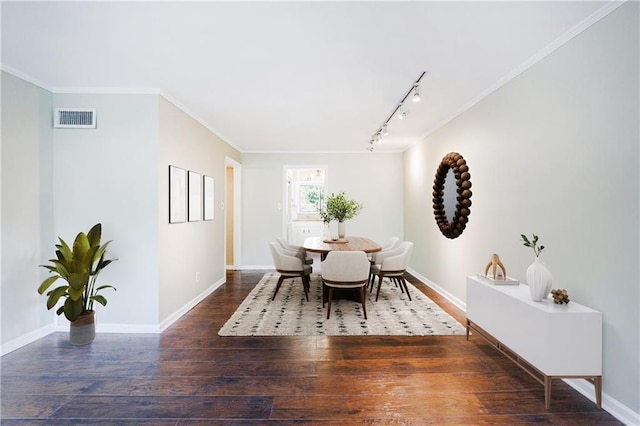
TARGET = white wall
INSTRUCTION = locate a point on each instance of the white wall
(554, 152)
(27, 219)
(374, 179)
(190, 247)
(110, 175)
(58, 182)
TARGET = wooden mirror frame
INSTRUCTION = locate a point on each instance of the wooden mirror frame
(452, 161)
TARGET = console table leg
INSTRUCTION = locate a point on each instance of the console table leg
(597, 381)
(547, 392)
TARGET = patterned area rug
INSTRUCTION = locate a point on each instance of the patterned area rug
(291, 315)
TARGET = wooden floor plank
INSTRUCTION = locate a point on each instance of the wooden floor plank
(189, 375)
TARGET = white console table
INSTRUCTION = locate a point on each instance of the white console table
(545, 339)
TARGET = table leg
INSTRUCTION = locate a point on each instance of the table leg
(547, 392)
(597, 382)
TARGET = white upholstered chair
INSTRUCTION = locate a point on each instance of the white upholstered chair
(345, 269)
(392, 264)
(298, 250)
(289, 266)
(389, 245)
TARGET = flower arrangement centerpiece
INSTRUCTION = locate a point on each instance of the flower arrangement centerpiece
(340, 208)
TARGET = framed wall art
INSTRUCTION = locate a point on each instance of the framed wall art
(177, 194)
(195, 196)
(208, 198)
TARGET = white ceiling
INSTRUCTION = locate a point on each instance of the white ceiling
(291, 76)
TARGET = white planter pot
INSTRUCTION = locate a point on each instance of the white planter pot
(538, 280)
(342, 230)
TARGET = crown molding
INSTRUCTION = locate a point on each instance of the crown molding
(196, 117)
(29, 79)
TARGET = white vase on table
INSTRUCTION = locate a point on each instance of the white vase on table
(342, 230)
(539, 280)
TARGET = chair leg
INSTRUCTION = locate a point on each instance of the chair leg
(278, 287)
(329, 303)
(403, 282)
(363, 296)
(380, 278)
(305, 286)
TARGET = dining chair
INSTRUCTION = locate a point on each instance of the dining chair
(345, 270)
(298, 250)
(393, 265)
(391, 244)
(289, 266)
(391, 248)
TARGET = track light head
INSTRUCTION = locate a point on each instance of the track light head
(402, 112)
(416, 92)
(384, 130)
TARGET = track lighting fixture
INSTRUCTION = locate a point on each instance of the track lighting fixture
(399, 110)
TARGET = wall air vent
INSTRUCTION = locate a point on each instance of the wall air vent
(74, 118)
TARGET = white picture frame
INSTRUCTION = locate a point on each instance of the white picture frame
(208, 185)
(195, 196)
(177, 194)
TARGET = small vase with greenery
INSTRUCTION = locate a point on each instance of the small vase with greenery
(539, 278)
(78, 265)
(341, 208)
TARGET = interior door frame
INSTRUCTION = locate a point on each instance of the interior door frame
(237, 214)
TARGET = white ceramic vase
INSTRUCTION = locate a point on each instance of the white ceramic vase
(342, 230)
(538, 280)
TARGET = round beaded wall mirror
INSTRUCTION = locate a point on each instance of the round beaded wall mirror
(452, 219)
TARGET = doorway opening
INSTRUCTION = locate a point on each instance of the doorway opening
(305, 189)
(232, 214)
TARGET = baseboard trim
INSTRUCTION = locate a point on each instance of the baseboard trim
(609, 404)
(186, 308)
(441, 291)
(24, 340)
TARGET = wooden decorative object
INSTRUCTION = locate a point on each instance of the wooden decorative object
(494, 264)
(560, 296)
(454, 161)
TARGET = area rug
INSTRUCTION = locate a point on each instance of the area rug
(291, 315)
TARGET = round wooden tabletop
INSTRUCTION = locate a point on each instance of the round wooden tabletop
(318, 245)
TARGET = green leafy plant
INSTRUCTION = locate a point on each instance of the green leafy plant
(533, 243)
(325, 216)
(341, 208)
(79, 266)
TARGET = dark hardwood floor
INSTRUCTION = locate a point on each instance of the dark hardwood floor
(190, 375)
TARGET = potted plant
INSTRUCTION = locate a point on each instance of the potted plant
(79, 266)
(341, 208)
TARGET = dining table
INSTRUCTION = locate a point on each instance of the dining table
(324, 245)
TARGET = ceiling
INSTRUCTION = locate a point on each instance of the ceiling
(291, 76)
